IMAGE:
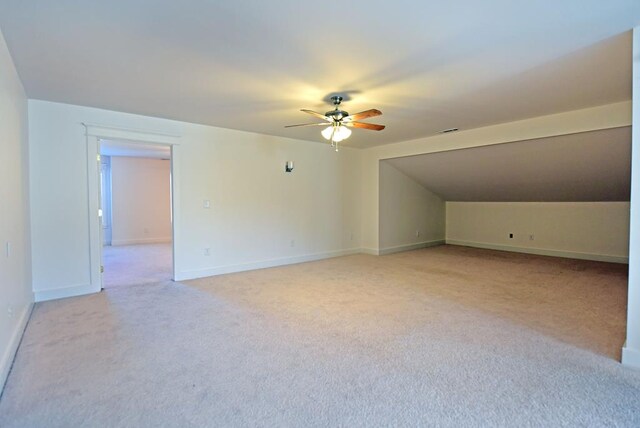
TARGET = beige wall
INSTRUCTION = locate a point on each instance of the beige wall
(15, 268)
(141, 202)
(587, 230)
(410, 215)
(260, 215)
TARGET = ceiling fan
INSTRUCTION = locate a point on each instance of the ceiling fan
(339, 121)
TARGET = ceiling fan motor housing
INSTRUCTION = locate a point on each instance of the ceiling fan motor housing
(337, 114)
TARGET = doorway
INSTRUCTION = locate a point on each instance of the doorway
(136, 213)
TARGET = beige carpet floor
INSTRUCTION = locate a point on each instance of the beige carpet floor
(446, 336)
(126, 265)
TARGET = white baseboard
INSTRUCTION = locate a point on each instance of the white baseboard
(14, 341)
(370, 251)
(117, 242)
(542, 251)
(409, 247)
(220, 270)
(60, 293)
(630, 357)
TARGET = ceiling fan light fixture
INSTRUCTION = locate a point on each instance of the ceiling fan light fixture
(340, 122)
(342, 133)
(326, 132)
(338, 131)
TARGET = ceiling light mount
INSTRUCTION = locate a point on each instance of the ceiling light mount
(336, 113)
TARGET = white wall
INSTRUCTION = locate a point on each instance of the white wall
(584, 230)
(410, 216)
(15, 277)
(259, 214)
(631, 350)
(141, 200)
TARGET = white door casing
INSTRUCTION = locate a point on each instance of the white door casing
(96, 132)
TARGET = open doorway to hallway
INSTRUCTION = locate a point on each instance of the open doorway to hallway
(136, 203)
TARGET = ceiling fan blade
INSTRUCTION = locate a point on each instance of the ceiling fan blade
(307, 124)
(363, 115)
(318, 115)
(371, 126)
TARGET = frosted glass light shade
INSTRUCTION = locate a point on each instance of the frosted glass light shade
(342, 133)
(326, 132)
(339, 133)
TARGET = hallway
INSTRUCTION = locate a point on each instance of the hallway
(136, 264)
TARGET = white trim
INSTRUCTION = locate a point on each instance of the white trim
(176, 207)
(131, 134)
(410, 247)
(95, 224)
(95, 132)
(63, 292)
(118, 242)
(221, 270)
(630, 357)
(370, 251)
(542, 251)
(14, 342)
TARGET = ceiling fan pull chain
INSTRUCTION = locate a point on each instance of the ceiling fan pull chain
(335, 128)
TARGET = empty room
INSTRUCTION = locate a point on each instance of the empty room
(282, 214)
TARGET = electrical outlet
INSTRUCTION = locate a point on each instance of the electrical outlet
(7, 248)
(417, 233)
(10, 311)
(146, 231)
(207, 251)
(511, 236)
(206, 203)
(292, 243)
(531, 237)
(351, 236)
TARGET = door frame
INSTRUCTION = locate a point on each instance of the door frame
(105, 197)
(96, 132)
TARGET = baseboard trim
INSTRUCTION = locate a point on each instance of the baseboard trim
(410, 247)
(14, 342)
(630, 357)
(370, 251)
(542, 251)
(221, 270)
(118, 242)
(61, 293)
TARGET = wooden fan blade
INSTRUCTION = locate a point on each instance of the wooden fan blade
(307, 124)
(318, 115)
(371, 126)
(363, 115)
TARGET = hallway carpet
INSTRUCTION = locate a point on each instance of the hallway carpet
(136, 264)
(445, 336)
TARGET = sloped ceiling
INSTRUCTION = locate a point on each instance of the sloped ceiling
(590, 166)
(252, 64)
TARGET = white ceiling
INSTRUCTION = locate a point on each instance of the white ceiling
(252, 64)
(590, 166)
(131, 149)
